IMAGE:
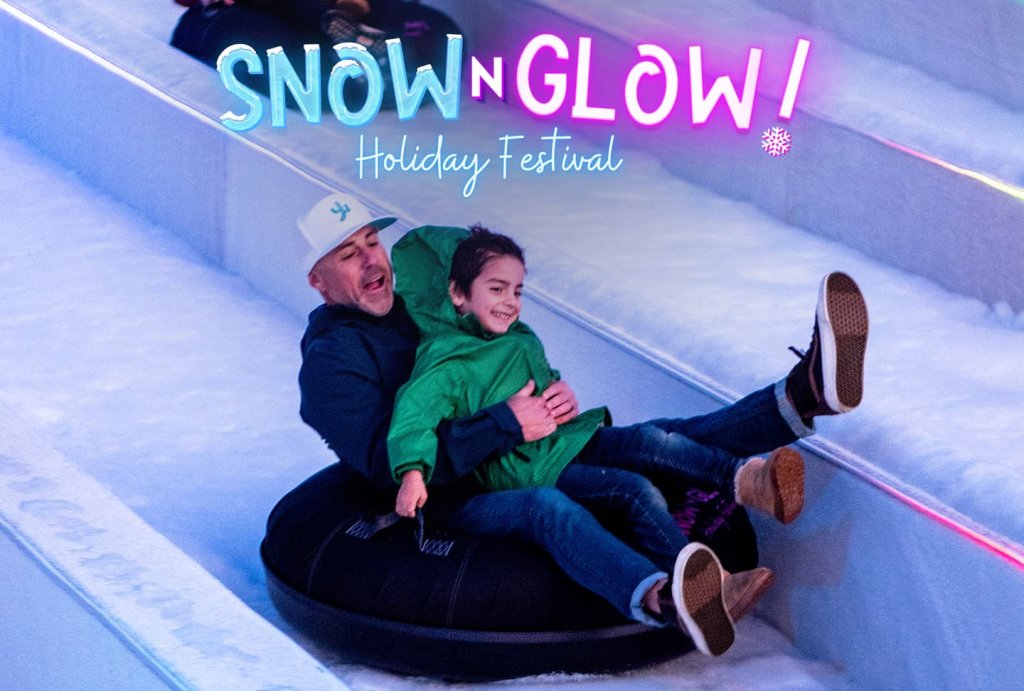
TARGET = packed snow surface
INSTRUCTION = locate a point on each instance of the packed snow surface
(173, 384)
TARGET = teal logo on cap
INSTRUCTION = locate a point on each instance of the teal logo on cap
(342, 211)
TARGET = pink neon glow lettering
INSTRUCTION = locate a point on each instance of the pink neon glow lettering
(796, 73)
(582, 110)
(495, 79)
(557, 82)
(741, 109)
(662, 63)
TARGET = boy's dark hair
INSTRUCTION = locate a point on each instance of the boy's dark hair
(474, 252)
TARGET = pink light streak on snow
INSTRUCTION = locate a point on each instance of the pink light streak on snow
(994, 543)
(1011, 554)
(1004, 187)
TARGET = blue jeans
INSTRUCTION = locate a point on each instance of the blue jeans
(631, 501)
(609, 478)
(587, 552)
(708, 449)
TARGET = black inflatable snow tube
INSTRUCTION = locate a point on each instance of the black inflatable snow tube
(455, 607)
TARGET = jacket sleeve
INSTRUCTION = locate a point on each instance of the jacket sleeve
(344, 402)
(426, 399)
(469, 441)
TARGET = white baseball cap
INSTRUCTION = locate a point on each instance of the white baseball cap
(331, 221)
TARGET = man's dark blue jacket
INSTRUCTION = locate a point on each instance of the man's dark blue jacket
(353, 364)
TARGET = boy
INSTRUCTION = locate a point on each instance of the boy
(475, 352)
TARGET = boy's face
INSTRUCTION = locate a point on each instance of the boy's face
(495, 296)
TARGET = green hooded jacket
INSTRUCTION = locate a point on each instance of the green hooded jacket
(461, 368)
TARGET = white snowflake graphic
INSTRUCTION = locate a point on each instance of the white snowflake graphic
(776, 141)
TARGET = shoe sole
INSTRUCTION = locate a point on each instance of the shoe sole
(843, 332)
(698, 599)
(787, 476)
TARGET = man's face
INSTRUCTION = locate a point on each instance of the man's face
(495, 296)
(357, 273)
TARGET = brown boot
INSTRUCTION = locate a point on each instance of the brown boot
(742, 590)
(774, 486)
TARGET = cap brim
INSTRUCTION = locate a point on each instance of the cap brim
(313, 256)
(380, 223)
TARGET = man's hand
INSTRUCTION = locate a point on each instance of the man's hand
(532, 413)
(561, 402)
(412, 494)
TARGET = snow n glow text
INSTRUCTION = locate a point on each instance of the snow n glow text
(356, 62)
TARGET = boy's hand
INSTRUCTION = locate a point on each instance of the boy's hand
(412, 494)
(561, 402)
(532, 413)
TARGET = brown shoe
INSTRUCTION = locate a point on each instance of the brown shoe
(774, 486)
(742, 590)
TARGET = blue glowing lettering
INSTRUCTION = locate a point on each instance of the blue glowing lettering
(282, 74)
(225, 66)
(354, 62)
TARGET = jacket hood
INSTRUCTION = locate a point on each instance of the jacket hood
(422, 260)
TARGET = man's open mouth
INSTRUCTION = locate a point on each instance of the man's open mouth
(503, 316)
(375, 283)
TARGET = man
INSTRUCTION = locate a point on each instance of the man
(359, 349)
(360, 346)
